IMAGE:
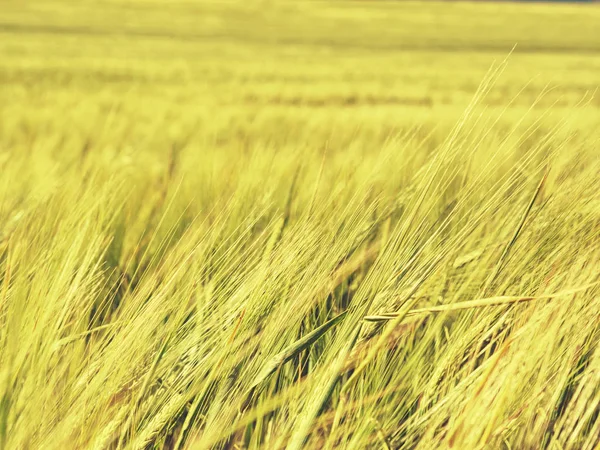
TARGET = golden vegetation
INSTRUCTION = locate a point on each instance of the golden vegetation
(284, 225)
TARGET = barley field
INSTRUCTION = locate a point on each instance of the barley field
(319, 224)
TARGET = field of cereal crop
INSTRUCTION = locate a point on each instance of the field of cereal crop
(304, 224)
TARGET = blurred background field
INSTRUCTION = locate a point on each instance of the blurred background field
(131, 78)
(190, 189)
(273, 68)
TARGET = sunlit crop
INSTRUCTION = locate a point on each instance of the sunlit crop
(299, 225)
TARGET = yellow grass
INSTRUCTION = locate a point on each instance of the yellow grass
(349, 224)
